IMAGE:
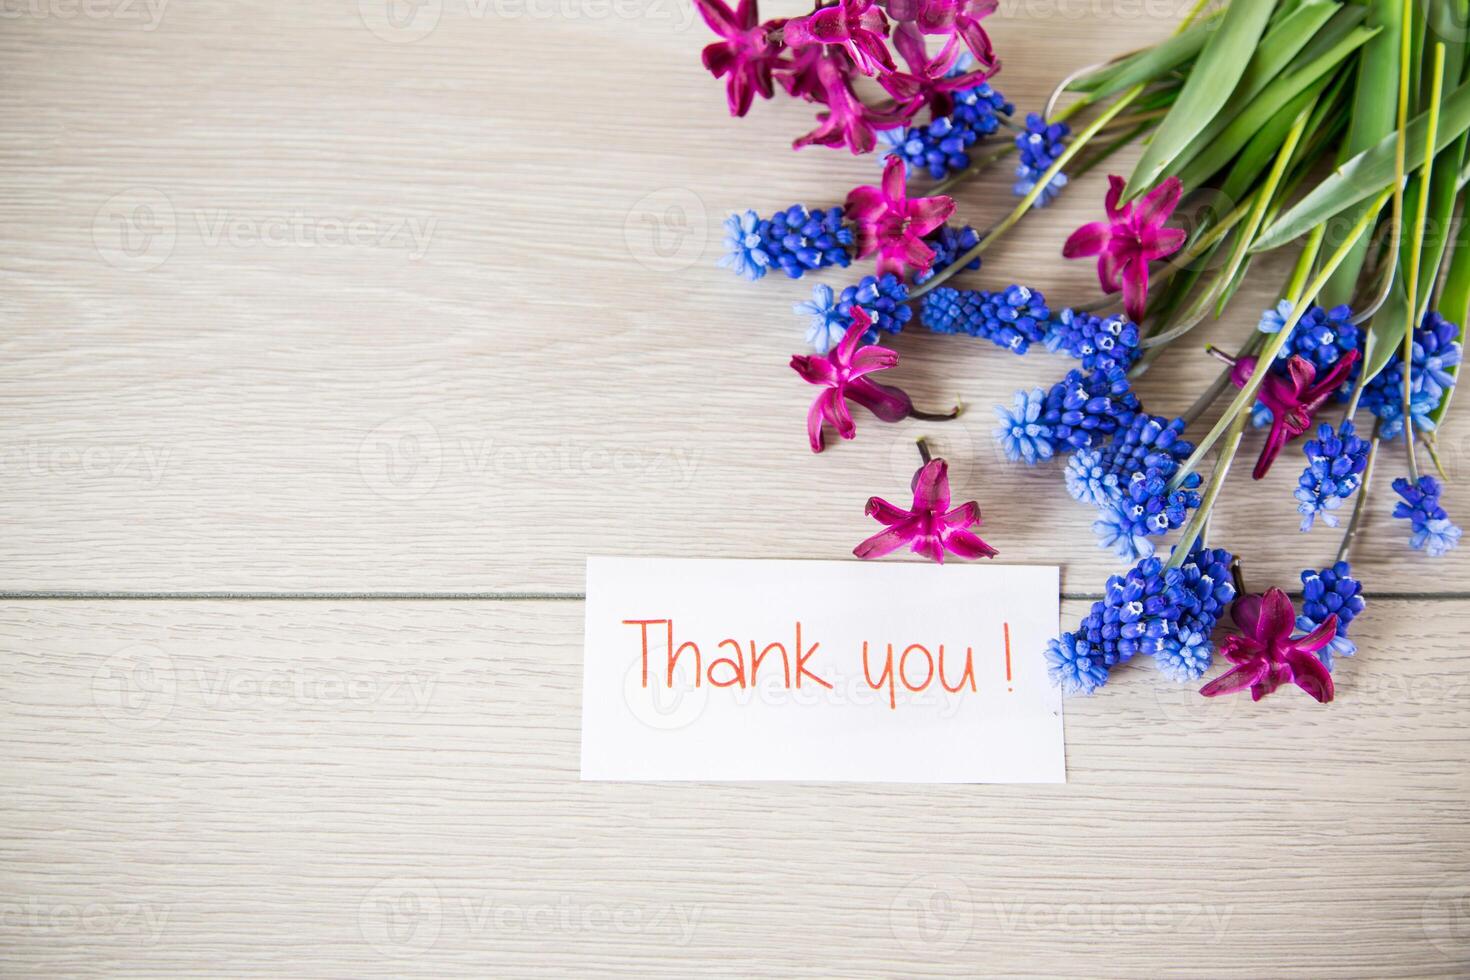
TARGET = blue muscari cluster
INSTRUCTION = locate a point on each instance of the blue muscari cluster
(1336, 460)
(1095, 341)
(1332, 591)
(1436, 354)
(1128, 482)
(1321, 336)
(1040, 145)
(1013, 318)
(942, 147)
(1167, 613)
(949, 243)
(885, 298)
(794, 240)
(1079, 411)
(1432, 531)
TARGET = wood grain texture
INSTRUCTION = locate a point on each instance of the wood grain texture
(390, 789)
(442, 315)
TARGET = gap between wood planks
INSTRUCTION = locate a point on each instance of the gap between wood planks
(49, 595)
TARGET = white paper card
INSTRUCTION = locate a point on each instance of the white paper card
(765, 676)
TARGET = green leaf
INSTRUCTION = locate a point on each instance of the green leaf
(1277, 52)
(1148, 65)
(1443, 190)
(1370, 119)
(1385, 331)
(1454, 305)
(1233, 137)
(1368, 173)
(1210, 83)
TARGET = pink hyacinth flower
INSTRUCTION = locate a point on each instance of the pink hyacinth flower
(929, 527)
(927, 82)
(847, 121)
(960, 18)
(1266, 656)
(843, 372)
(746, 54)
(894, 226)
(1293, 398)
(1132, 237)
(856, 25)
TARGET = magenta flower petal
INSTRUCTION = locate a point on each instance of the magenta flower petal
(842, 373)
(929, 527)
(968, 546)
(893, 225)
(1265, 655)
(1293, 398)
(746, 53)
(1236, 679)
(884, 512)
(887, 541)
(1310, 674)
(1088, 240)
(1133, 236)
(888, 403)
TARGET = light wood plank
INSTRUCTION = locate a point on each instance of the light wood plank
(540, 382)
(272, 793)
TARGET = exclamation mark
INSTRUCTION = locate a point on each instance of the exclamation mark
(1008, 656)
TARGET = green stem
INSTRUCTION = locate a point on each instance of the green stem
(979, 166)
(1025, 203)
(1196, 524)
(1416, 252)
(1361, 504)
(1247, 395)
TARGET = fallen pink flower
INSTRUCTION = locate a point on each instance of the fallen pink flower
(927, 82)
(894, 226)
(1132, 237)
(856, 25)
(746, 54)
(843, 372)
(847, 121)
(960, 18)
(1266, 656)
(929, 527)
(1293, 398)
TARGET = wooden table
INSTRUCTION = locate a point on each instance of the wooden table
(333, 343)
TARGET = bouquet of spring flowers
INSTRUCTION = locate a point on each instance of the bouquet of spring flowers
(1334, 129)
